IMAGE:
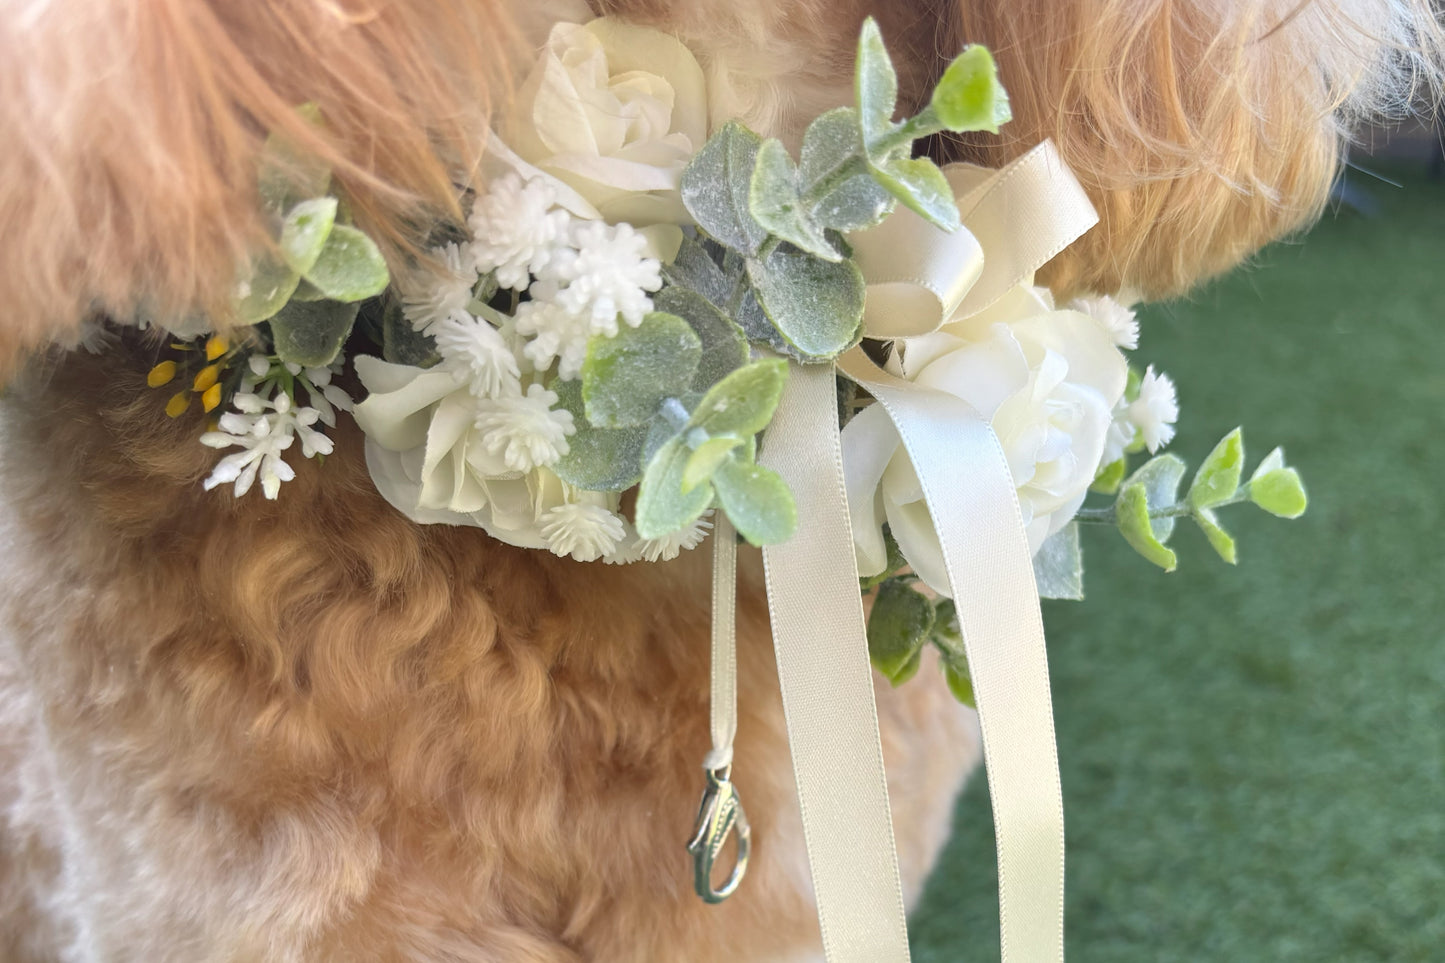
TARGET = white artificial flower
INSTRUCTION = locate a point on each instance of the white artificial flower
(1118, 319)
(584, 530)
(554, 333)
(668, 547)
(478, 355)
(432, 296)
(263, 428)
(324, 396)
(608, 276)
(516, 229)
(1120, 436)
(525, 430)
(615, 111)
(1155, 410)
(1046, 379)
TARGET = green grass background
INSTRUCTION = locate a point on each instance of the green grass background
(1253, 758)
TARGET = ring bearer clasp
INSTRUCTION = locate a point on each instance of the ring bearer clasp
(721, 813)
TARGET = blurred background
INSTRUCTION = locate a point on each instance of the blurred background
(1253, 758)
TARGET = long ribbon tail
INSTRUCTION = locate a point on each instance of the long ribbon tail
(827, 684)
(970, 494)
(723, 708)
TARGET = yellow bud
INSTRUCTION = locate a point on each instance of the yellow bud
(161, 374)
(207, 377)
(211, 397)
(216, 346)
(178, 404)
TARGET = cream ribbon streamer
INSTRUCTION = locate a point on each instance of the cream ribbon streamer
(1015, 220)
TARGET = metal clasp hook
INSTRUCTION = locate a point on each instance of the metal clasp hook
(721, 813)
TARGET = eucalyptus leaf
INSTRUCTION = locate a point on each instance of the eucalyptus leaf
(816, 305)
(1220, 540)
(724, 346)
(306, 291)
(831, 146)
(1059, 565)
(743, 403)
(1132, 516)
(695, 270)
(305, 230)
(1217, 479)
(1110, 477)
(1160, 477)
(597, 459)
(350, 266)
(286, 174)
(706, 458)
(716, 185)
(776, 201)
(1279, 492)
(757, 501)
(898, 627)
(401, 343)
(875, 86)
(955, 675)
(969, 96)
(626, 378)
(921, 186)
(662, 506)
(311, 333)
(266, 291)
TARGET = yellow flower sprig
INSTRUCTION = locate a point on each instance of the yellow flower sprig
(208, 382)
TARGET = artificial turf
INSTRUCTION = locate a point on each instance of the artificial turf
(1253, 758)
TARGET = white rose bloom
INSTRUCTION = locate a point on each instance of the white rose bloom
(1046, 379)
(615, 111)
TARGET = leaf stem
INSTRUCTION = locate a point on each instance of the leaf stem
(1107, 516)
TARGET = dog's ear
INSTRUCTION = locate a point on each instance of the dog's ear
(129, 133)
(1202, 129)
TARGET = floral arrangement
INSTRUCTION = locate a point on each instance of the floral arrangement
(587, 364)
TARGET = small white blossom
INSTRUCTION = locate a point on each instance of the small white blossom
(324, 396)
(263, 428)
(668, 547)
(431, 297)
(1120, 436)
(584, 531)
(608, 275)
(516, 230)
(525, 430)
(1156, 409)
(481, 357)
(555, 333)
(1117, 319)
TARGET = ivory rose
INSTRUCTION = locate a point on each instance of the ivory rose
(1046, 379)
(615, 111)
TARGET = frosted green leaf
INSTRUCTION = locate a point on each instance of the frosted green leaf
(875, 85)
(743, 403)
(969, 96)
(350, 267)
(921, 186)
(706, 458)
(306, 291)
(1132, 516)
(895, 562)
(401, 343)
(757, 501)
(898, 628)
(724, 346)
(816, 305)
(776, 201)
(597, 459)
(286, 174)
(947, 634)
(955, 674)
(1270, 462)
(305, 230)
(1160, 477)
(1279, 492)
(694, 269)
(662, 506)
(1110, 477)
(1220, 540)
(625, 378)
(311, 333)
(1217, 479)
(830, 145)
(716, 185)
(266, 291)
(1059, 565)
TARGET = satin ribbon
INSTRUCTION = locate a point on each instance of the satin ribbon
(919, 277)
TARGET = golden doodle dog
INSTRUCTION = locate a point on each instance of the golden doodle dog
(311, 730)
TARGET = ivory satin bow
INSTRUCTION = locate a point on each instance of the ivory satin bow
(919, 277)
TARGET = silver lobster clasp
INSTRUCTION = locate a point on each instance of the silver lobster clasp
(721, 813)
